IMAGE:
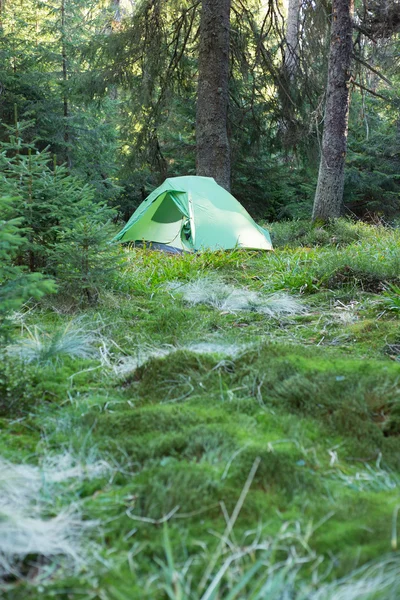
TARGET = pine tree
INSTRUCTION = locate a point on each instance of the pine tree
(46, 196)
(45, 72)
(16, 286)
(84, 261)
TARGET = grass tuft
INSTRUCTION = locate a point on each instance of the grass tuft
(227, 298)
(44, 348)
(34, 529)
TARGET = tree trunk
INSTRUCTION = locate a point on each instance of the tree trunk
(292, 38)
(213, 152)
(329, 195)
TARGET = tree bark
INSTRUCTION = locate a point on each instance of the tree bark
(329, 194)
(292, 38)
(213, 151)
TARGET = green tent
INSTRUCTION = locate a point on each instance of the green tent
(194, 213)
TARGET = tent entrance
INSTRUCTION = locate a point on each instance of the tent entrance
(162, 222)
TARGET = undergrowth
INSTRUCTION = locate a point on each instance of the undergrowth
(219, 426)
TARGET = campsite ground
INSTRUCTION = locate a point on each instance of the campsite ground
(220, 425)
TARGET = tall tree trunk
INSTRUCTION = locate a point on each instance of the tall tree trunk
(292, 38)
(329, 195)
(213, 151)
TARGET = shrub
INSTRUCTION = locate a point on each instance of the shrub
(83, 259)
(16, 286)
(17, 385)
(339, 232)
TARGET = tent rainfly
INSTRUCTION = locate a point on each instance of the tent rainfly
(194, 213)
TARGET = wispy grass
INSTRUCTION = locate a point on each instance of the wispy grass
(32, 523)
(145, 271)
(143, 352)
(43, 348)
(24, 534)
(338, 233)
(375, 581)
(367, 265)
(248, 570)
(369, 479)
(233, 570)
(227, 298)
(140, 355)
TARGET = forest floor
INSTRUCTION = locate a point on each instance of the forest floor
(219, 426)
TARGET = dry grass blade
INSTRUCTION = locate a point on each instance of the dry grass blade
(227, 532)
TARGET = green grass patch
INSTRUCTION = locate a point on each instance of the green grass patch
(288, 423)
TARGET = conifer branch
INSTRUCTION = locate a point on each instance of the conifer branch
(371, 68)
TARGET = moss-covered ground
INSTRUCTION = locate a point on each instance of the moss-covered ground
(291, 417)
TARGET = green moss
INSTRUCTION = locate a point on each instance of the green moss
(284, 470)
(18, 438)
(154, 419)
(171, 379)
(191, 486)
(361, 528)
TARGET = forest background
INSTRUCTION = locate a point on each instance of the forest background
(109, 89)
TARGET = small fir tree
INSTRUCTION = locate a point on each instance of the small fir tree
(46, 196)
(16, 285)
(84, 260)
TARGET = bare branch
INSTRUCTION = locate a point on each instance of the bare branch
(371, 68)
(362, 87)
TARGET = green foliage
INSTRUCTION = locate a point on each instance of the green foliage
(67, 233)
(46, 196)
(16, 286)
(17, 388)
(83, 259)
(391, 297)
(128, 86)
(372, 185)
(44, 73)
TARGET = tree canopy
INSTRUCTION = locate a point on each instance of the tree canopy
(110, 89)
